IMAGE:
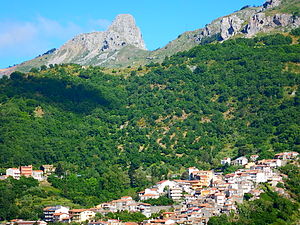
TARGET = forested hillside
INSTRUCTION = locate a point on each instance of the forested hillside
(112, 134)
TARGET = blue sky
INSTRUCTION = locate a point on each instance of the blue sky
(31, 27)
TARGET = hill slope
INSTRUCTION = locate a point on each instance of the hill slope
(125, 131)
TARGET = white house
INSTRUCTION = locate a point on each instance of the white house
(164, 184)
(53, 212)
(241, 161)
(190, 171)
(13, 172)
(161, 221)
(273, 163)
(38, 175)
(220, 198)
(257, 176)
(286, 155)
(60, 217)
(175, 193)
(144, 208)
(149, 193)
(226, 160)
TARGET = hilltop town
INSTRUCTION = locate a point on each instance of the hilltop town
(205, 193)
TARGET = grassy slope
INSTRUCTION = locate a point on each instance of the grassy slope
(288, 6)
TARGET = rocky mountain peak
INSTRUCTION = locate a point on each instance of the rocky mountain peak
(98, 47)
(124, 27)
(121, 22)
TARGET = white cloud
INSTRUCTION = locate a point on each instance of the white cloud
(12, 34)
(20, 39)
(52, 28)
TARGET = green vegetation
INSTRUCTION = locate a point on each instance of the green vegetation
(287, 6)
(25, 199)
(162, 200)
(247, 196)
(296, 32)
(226, 169)
(275, 39)
(126, 216)
(270, 208)
(290, 6)
(116, 134)
(293, 181)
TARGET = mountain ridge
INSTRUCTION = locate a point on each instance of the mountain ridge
(272, 16)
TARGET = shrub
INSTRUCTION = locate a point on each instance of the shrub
(296, 32)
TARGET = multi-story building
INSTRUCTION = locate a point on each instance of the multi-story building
(273, 163)
(240, 161)
(164, 185)
(81, 215)
(204, 176)
(61, 217)
(13, 172)
(51, 212)
(190, 171)
(186, 186)
(149, 193)
(175, 193)
(48, 169)
(225, 161)
(26, 171)
(38, 175)
(286, 155)
(144, 208)
(220, 198)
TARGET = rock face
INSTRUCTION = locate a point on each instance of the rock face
(225, 27)
(262, 23)
(123, 31)
(96, 47)
(230, 26)
(248, 22)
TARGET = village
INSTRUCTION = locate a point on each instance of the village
(204, 194)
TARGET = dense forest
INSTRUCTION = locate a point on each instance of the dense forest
(113, 134)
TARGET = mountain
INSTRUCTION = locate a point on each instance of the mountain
(113, 134)
(122, 44)
(95, 48)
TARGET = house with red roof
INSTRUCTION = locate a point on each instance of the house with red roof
(287, 155)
